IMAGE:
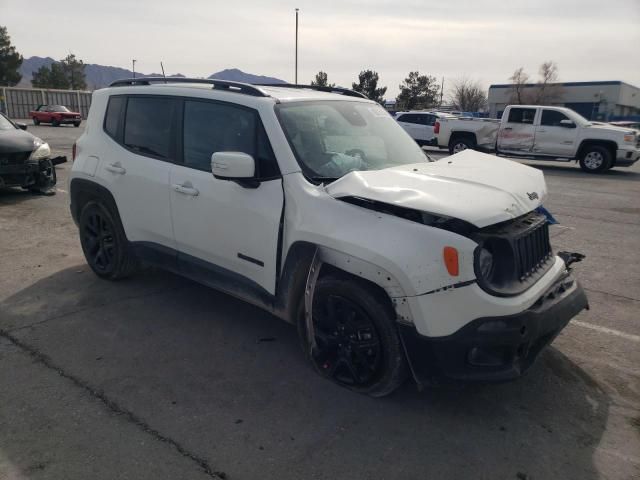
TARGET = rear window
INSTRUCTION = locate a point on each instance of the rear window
(522, 115)
(148, 127)
(113, 115)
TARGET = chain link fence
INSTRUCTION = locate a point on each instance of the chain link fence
(18, 102)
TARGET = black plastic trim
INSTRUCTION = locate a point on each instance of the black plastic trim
(518, 339)
(236, 87)
(249, 259)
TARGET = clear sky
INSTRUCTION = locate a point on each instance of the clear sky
(482, 39)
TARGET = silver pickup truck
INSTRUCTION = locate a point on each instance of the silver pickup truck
(543, 132)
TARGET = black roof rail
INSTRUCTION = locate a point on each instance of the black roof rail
(238, 87)
(342, 91)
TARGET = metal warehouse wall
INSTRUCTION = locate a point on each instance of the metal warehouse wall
(18, 102)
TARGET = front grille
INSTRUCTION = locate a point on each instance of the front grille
(521, 254)
(14, 158)
(532, 249)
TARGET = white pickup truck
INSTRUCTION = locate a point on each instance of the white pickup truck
(542, 132)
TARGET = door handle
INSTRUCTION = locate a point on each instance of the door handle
(507, 128)
(542, 131)
(115, 168)
(186, 189)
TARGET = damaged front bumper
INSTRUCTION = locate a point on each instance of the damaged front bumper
(39, 174)
(494, 348)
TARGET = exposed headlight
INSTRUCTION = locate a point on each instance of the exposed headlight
(41, 150)
(485, 263)
(630, 137)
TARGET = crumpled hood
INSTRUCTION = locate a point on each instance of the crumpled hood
(475, 187)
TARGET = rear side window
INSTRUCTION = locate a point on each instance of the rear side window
(215, 127)
(522, 115)
(409, 118)
(113, 115)
(552, 118)
(148, 128)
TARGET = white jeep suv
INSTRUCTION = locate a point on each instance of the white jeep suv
(314, 204)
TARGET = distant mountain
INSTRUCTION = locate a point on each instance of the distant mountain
(236, 75)
(99, 76)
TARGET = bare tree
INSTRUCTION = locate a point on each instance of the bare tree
(468, 95)
(519, 80)
(548, 90)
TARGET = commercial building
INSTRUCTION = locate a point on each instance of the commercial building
(605, 101)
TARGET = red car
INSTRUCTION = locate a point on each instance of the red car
(55, 115)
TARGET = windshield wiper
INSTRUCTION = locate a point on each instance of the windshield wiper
(324, 179)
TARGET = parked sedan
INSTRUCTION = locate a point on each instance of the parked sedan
(55, 115)
(25, 160)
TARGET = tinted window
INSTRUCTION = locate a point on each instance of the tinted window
(408, 118)
(148, 125)
(522, 115)
(427, 120)
(552, 118)
(112, 117)
(214, 127)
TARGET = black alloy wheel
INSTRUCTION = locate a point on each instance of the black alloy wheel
(104, 242)
(99, 242)
(348, 348)
(357, 344)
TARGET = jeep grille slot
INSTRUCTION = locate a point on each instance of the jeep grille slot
(521, 253)
(532, 251)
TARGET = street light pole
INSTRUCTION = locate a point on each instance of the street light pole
(134, 67)
(296, 75)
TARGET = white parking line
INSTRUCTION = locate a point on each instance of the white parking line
(61, 190)
(610, 331)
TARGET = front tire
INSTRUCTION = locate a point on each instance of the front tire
(104, 243)
(76, 124)
(55, 122)
(596, 159)
(36, 121)
(357, 341)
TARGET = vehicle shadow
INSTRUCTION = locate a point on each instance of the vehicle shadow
(228, 382)
(13, 195)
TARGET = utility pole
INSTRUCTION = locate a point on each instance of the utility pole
(296, 74)
(441, 92)
(133, 62)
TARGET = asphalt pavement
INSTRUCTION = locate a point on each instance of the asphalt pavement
(158, 377)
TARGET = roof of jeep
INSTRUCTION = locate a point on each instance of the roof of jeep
(280, 93)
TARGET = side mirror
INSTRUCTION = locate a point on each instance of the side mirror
(238, 166)
(21, 126)
(567, 124)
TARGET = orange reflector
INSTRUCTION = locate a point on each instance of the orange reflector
(450, 255)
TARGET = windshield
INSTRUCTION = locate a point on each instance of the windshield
(58, 108)
(5, 124)
(332, 138)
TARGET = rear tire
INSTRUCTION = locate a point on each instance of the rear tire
(596, 159)
(459, 144)
(104, 242)
(358, 345)
(76, 124)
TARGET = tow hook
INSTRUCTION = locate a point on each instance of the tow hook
(571, 258)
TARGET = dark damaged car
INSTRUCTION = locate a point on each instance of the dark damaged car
(25, 160)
